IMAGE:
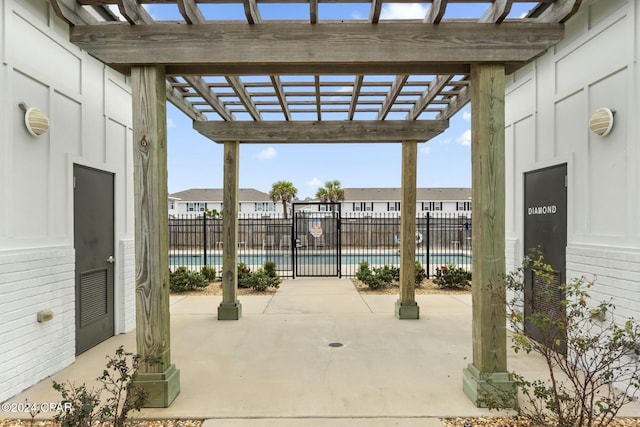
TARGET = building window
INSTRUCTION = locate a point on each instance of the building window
(431, 206)
(363, 206)
(463, 206)
(196, 207)
(265, 207)
(323, 208)
(172, 204)
(393, 206)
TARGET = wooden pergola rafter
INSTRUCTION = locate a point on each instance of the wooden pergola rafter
(257, 80)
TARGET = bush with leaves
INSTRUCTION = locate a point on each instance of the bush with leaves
(372, 278)
(88, 408)
(451, 276)
(421, 274)
(383, 277)
(208, 272)
(599, 373)
(259, 280)
(183, 280)
(244, 275)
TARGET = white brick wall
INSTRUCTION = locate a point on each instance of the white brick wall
(127, 278)
(31, 281)
(616, 273)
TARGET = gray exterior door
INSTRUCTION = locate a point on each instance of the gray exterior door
(93, 207)
(545, 229)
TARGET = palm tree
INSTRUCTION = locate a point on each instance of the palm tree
(331, 192)
(283, 191)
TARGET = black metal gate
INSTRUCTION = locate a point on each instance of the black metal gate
(317, 243)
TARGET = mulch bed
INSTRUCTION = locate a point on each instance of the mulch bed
(513, 422)
(427, 287)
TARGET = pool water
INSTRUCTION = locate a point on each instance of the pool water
(283, 259)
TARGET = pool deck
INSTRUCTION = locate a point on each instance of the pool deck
(280, 364)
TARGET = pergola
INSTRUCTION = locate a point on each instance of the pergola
(250, 81)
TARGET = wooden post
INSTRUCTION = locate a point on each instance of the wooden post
(488, 372)
(230, 308)
(406, 306)
(161, 380)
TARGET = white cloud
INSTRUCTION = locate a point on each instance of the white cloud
(425, 149)
(170, 123)
(403, 11)
(465, 138)
(443, 141)
(315, 183)
(267, 153)
(466, 115)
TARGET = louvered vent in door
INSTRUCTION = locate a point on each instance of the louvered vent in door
(93, 296)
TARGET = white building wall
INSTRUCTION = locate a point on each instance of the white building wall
(383, 207)
(548, 106)
(89, 107)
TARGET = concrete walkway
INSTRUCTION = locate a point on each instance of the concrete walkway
(316, 353)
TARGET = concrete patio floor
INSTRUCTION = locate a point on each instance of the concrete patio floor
(276, 367)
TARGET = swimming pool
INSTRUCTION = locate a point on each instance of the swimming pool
(285, 259)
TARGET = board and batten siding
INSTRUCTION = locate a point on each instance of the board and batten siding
(548, 106)
(89, 108)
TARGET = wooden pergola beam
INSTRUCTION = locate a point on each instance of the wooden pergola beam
(361, 48)
(72, 13)
(393, 93)
(436, 11)
(427, 97)
(305, 132)
(175, 97)
(560, 11)
(190, 11)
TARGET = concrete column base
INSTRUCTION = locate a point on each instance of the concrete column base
(162, 387)
(407, 310)
(230, 310)
(496, 389)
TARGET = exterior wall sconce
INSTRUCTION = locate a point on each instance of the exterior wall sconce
(35, 120)
(601, 121)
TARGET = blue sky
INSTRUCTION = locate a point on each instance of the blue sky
(196, 162)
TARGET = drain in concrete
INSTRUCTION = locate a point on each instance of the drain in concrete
(335, 344)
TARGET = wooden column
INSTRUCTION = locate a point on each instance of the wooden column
(161, 380)
(406, 306)
(230, 308)
(488, 372)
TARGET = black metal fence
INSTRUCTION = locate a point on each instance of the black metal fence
(441, 239)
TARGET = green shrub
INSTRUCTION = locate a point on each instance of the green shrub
(421, 274)
(270, 268)
(209, 273)
(382, 277)
(260, 279)
(597, 374)
(183, 280)
(450, 276)
(244, 275)
(377, 278)
(363, 271)
(387, 274)
(87, 407)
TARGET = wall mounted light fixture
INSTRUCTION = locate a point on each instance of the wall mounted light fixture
(601, 121)
(35, 120)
